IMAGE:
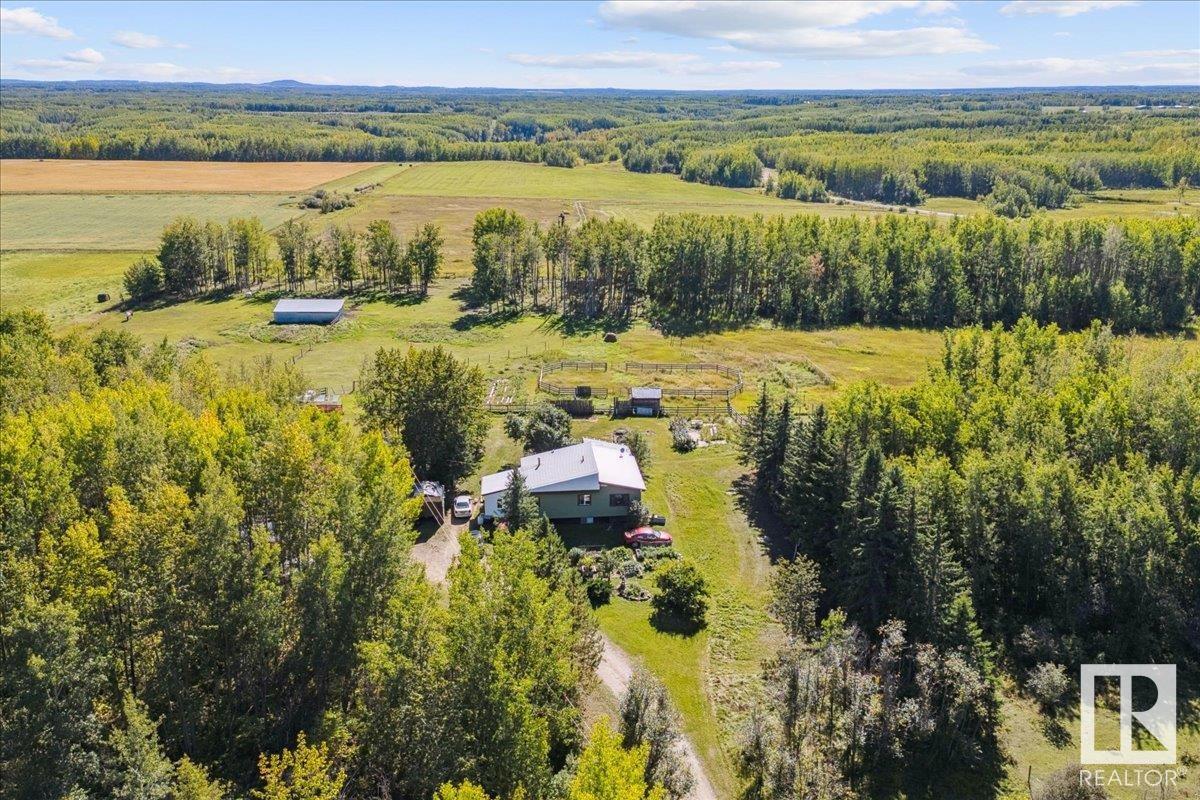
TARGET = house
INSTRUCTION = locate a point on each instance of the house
(306, 312)
(645, 401)
(586, 481)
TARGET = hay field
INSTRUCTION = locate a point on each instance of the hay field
(68, 176)
(122, 221)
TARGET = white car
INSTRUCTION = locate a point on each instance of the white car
(462, 506)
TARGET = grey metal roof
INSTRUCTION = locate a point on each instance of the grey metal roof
(645, 393)
(576, 468)
(310, 306)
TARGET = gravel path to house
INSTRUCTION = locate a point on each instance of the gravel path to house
(438, 552)
(615, 672)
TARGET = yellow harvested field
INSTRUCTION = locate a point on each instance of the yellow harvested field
(91, 177)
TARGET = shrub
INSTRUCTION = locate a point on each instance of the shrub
(514, 426)
(681, 439)
(1048, 683)
(630, 568)
(682, 593)
(639, 446)
(143, 279)
(638, 514)
(599, 590)
(650, 556)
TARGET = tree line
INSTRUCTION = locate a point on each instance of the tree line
(1030, 505)
(710, 271)
(208, 593)
(194, 257)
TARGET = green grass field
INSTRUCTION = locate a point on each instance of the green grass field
(121, 221)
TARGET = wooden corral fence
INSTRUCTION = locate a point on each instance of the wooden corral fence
(726, 393)
(624, 408)
(578, 392)
(577, 407)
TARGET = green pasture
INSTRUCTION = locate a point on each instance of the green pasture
(122, 221)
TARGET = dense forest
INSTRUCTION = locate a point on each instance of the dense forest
(207, 593)
(695, 271)
(1017, 149)
(1032, 505)
(701, 272)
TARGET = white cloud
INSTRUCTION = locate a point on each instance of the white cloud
(143, 41)
(153, 71)
(27, 20)
(85, 56)
(815, 30)
(672, 63)
(715, 18)
(1162, 54)
(853, 43)
(612, 59)
(1055, 71)
(1062, 8)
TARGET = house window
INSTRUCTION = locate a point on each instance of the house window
(619, 500)
(585, 499)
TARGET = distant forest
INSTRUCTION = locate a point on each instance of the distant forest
(1019, 150)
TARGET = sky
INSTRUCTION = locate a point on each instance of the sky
(846, 44)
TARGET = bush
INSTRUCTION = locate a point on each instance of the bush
(143, 279)
(682, 593)
(639, 446)
(599, 590)
(514, 426)
(638, 515)
(1049, 684)
(650, 556)
(630, 568)
(681, 439)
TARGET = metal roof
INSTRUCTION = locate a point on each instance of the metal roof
(645, 393)
(310, 306)
(576, 468)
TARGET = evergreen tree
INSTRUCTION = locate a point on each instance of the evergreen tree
(518, 507)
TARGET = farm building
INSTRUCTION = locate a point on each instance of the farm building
(586, 481)
(646, 401)
(308, 312)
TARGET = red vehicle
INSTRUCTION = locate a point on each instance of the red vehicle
(646, 537)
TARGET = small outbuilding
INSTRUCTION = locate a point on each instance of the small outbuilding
(646, 401)
(317, 311)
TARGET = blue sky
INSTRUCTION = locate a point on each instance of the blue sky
(669, 45)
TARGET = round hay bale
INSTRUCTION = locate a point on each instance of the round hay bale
(609, 336)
